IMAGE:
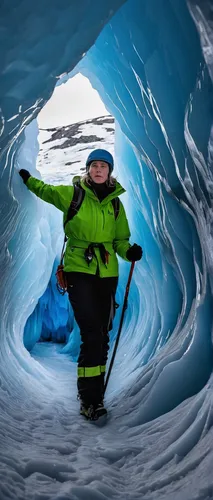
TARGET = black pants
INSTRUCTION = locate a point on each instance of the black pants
(93, 302)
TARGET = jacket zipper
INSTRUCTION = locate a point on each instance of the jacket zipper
(103, 218)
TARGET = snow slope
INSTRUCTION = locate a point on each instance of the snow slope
(64, 150)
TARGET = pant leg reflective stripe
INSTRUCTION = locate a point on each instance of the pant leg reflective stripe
(103, 368)
(89, 371)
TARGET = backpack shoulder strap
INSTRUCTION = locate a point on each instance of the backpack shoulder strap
(76, 202)
(116, 206)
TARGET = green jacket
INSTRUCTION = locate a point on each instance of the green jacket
(94, 223)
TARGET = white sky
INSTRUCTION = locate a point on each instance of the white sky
(71, 102)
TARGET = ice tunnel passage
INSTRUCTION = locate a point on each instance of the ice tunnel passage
(149, 68)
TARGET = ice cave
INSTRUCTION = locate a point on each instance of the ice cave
(151, 62)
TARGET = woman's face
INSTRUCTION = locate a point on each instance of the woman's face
(99, 171)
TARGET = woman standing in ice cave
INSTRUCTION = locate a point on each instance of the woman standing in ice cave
(96, 228)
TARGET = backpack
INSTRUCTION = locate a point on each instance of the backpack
(77, 200)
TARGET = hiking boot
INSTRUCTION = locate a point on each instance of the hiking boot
(99, 411)
(93, 413)
(87, 411)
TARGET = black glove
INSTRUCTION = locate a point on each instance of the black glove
(24, 175)
(134, 253)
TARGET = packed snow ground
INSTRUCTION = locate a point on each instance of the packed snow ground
(59, 456)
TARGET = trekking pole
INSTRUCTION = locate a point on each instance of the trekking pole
(121, 324)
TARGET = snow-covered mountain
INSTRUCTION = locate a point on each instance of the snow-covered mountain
(64, 150)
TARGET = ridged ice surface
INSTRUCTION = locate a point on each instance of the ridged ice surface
(152, 65)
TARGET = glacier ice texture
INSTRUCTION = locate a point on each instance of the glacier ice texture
(151, 62)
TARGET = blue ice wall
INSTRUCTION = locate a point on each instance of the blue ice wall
(152, 65)
(38, 44)
(165, 93)
(52, 319)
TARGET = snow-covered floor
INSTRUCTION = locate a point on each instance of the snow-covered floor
(61, 456)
